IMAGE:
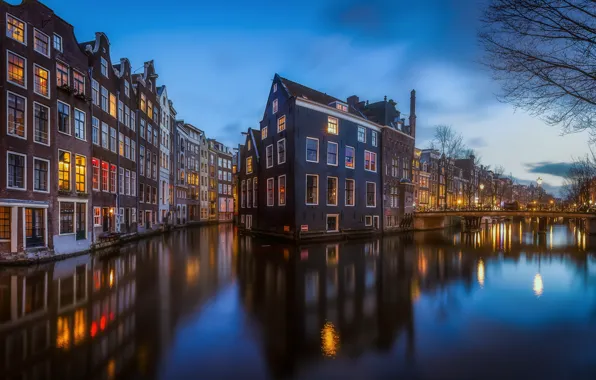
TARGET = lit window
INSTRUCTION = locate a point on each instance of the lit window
(281, 124)
(16, 115)
(281, 151)
(341, 107)
(97, 216)
(113, 178)
(264, 133)
(62, 72)
(332, 150)
(16, 69)
(281, 185)
(105, 176)
(95, 183)
(81, 173)
(57, 42)
(104, 67)
(41, 42)
(143, 102)
(332, 125)
(331, 191)
(362, 134)
(274, 106)
(370, 161)
(312, 189)
(150, 109)
(350, 157)
(15, 29)
(248, 165)
(113, 105)
(78, 82)
(312, 149)
(63, 170)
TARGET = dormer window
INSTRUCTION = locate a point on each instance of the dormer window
(340, 106)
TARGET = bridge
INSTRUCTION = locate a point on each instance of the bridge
(426, 220)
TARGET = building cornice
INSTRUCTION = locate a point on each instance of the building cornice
(345, 116)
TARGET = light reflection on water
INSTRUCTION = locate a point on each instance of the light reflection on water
(207, 303)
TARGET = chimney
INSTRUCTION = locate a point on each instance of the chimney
(353, 101)
(413, 113)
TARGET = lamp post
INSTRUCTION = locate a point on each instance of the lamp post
(481, 191)
(539, 182)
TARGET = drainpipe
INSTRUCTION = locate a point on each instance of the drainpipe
(137, 159)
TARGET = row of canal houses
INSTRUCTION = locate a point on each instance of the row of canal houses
(93, 149)
(318, 166)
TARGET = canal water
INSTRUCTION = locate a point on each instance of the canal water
(206, 303)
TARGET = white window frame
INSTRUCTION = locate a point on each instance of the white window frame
(267, 156)
(336, 222)
(361, 128)
(274, 106)
(353, 157)
(98, 143)
(50, 41)
(274, 87)
(70, 116)
(107, 73)
(336, 191)
(48, 96)
(74, 221)
(100, 217)
(374, 140)
(329, 118)
(279, 162)
(353, 193)
(306, 149)
(371, 156)
(24, 170)
(24, 70)
(61, 42)
(26, 112)
(279, 123)
(272, 192)
(366, 194)
(49, 174)
(264, 131)
(24, 29)
(279, 190)
(49, 123)
(336, 155)
(74, 120)
(306, 190)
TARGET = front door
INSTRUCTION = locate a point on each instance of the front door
(81, 221)
(34, 227)
(376, 222)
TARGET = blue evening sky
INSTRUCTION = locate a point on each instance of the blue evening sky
(217, 60)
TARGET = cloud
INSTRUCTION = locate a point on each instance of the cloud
(477, 142)
(558, 169)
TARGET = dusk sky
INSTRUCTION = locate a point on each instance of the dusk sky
(217, 60)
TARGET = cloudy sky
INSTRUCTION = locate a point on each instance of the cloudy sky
(217, 59)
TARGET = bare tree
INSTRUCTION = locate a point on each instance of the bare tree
(578, 180)
(450, 145)
(544, 53)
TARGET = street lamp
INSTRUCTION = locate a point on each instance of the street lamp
(481, 190)
(539, 182)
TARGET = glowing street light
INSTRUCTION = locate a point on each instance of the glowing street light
(539, 181)
(481, 186)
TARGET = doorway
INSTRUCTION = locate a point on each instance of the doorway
(34, 227)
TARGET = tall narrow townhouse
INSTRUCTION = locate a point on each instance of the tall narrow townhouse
(44, 138)
(149, 145)
(172, 164)
(213, 194)
(182, 191)
(193, 171)
(225, 202)
(104, 137)
(204, 176)
(126, 129)
(247, 172)
(164, 156)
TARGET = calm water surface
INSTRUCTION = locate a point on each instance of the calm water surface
(206, 303)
